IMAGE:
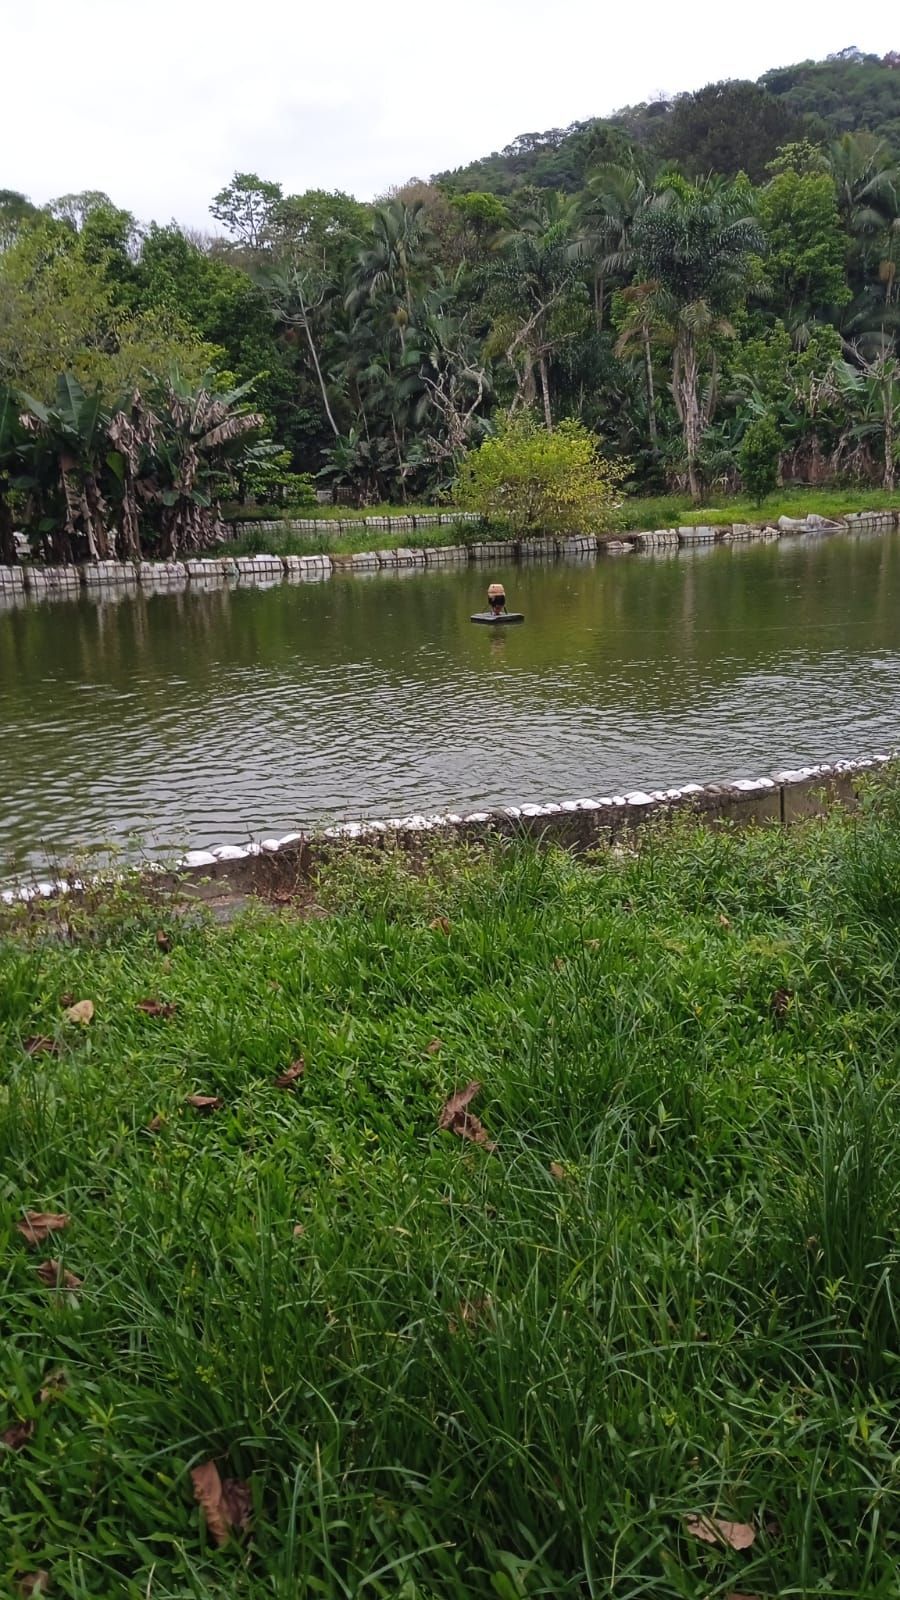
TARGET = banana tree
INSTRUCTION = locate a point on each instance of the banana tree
(12, 445)
(66, 466)
(201, 436)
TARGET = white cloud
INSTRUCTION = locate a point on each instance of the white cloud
(160, 103)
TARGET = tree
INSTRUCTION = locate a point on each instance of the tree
(530, 481)
(696, 245)
(759, 458)
(806, 248)
(534, 287)
(247, 207)
(727, 128)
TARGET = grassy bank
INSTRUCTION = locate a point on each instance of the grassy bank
(443, 1372)
(256, 541)
(665, 511)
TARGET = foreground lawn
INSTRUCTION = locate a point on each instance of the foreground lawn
(671, 1291)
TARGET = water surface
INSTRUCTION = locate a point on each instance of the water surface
(206, 717)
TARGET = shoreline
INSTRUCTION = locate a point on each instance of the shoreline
(27, 582)
(788, 795)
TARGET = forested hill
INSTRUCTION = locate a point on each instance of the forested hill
(725, 127)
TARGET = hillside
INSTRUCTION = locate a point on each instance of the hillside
(725, 126)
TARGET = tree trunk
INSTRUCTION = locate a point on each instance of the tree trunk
(651, 396)
(8, 553)
(545, 391)
(315, 358)
(685, 389)
(889, 465)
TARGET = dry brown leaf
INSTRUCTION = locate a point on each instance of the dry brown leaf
(724, 922)
(457, 1118)
(225, 1503)
(299, 1230)
(558, 1171)
(156, 1008)
(718, 1530)
(163, 942)
(470, 1313)
(52, 1387)
(292, 1073)
(204, 1102)
(67, 999)
(440, 924)
(36, 1225)
(433, 1046)
(54, 1275)
(780, 1004)
(155, 1123)
(40, 1045)
(82, 1011)
(34, 1583)
(18, 1435)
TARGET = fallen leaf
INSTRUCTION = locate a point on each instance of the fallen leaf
(225, 1503)
(156, 1008)
(155, 1123)
(17, 1435)
(204, 1102)
(41, 1045)
(36, 1225)
(724, 922)
(716, 1530)
(471, 1312)
(293, 1072)
(34, 1583)
(82, 1011)
(440, 924)
(54, 1275)
(558, 1171)
(66, 999)
(457, 1118)
(780, 1003)
(299, 1230)
(52, 1387)
(559, 963)
(434, 1046)
(163, 942)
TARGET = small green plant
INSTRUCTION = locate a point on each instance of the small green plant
(759, 458)
(528, 480)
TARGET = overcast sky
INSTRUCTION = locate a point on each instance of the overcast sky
(159, 102)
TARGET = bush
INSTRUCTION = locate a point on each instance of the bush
(759, 457)
(531, 481)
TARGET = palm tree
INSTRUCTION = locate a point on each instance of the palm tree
(694, 244)
(391, 264)
(866, 176)
(539, 267)
(616, 194)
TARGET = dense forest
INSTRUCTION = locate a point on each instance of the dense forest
(699, 282)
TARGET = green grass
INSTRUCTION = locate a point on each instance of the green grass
(667, 511)
(262, 540)
(638, 514)
(699, 1315)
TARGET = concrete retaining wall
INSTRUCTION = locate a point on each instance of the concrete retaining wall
(47, 582)
(785, 797)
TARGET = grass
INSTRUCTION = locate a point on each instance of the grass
(667, 511)
(263, 541)
(468, 1375)
(639, 513)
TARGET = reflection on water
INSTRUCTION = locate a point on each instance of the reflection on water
(204, 716)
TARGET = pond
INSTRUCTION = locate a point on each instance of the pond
(206, 717)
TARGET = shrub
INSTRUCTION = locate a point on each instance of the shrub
(532, 481)
(759, 457)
